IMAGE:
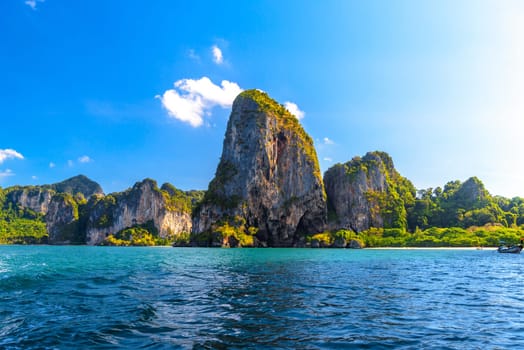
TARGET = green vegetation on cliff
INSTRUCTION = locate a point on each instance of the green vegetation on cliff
(388, 195)
(68, 214)
(178, 200)
(20, 225)
(229, 232)
(22, 231)
(68, 225)
(215, 193)
(138, 235)
(460, 214)
(463, 205)
(77, 184)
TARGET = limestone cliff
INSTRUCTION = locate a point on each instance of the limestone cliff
(268, 183)
(367, 192)
(38, 198)
(143, 204)
(62, 220)
(34, 198)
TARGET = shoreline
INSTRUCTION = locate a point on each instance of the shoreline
(432, 248)
(169, 246)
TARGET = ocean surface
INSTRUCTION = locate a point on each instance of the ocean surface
(195, 298)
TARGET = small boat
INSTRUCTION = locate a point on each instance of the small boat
(514, 249)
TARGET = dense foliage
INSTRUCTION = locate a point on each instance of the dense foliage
(489, 235)
(457, 215)
(181, 201)
(139, 235)
(20, 225)
(463, 205)
(229, 232)
(78, 184)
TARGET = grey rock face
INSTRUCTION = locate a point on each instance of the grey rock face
(339, 243)
(142, 204)
(62, 220)
(353, 244)
(348, 187)
(38, 198)
(35, 198)
(268, 175)
(367, 192)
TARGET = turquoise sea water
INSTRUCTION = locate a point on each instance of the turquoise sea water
(156, 298)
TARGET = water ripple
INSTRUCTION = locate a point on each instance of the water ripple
(148, 298)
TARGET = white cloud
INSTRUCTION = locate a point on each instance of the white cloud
(84, 159)
(52, 165)
(34, 177)
(191, 99)
(9, 154)
(70, 163)
(217, 55)
(328, 141)
(193, 55)
(293, 109)
(6, 173)
(32, 3)
(327, 159)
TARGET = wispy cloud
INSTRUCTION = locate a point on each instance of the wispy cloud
(52, 165)
(32, 3)
(217, 55)
(34, 177)
(6, 173)
(84, 159)
(328, 159)
(328, 141)
(8, 153)
(193, 55)
(191, 99)
(70, 163)
(293, 109)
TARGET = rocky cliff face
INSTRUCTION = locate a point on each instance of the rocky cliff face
(34, 198)
(38, 198)
(70, 219)
(268, 178)
(142, 204)
(62, 220)
(367, 192)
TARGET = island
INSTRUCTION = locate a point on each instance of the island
(267, 191)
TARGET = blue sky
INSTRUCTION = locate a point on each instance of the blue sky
(123, 90)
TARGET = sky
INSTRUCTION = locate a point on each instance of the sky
(124, 90)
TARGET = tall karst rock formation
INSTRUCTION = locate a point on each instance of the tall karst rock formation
(268, 182)
(368, 192)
